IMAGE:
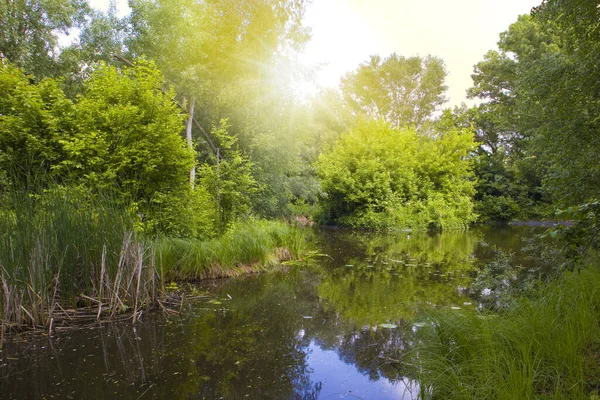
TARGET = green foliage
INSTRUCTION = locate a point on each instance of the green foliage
(101, 37)
(216, 43)
(63, 242)
(230, 57)
(509, 171)
(508, 188)
(579, 239)
(399, 90)
(123, 134)
(229, 180)
(128, 134)
(542, 347)
(30, 28)
(376, 176)
(33, 120)
(542, 96)
(561, 90)
(186, 213)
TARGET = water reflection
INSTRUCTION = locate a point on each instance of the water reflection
(335, 329)
(339, 378)
(389, 278)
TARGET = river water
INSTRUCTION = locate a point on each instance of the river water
(333, 328)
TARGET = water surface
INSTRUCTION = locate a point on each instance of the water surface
(335, 328)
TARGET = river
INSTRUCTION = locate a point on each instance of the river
(334, 327)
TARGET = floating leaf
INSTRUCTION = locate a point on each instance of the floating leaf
(388, 326)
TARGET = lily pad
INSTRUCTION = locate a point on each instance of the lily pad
(388, 326)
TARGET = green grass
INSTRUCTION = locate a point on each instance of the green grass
(547, 346)
(248, 246)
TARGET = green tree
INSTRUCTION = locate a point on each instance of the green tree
(562, 90)
(231, 57)
(128, 134)
(542, 96)
(101, 36)
(377, 176)
(399, 90)
(30, 28)
(229, 180)
(123, 134)
(509, 169)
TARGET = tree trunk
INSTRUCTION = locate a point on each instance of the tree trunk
(188, 134)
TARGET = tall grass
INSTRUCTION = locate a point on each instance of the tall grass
(62, 248)
(547, 346)
(247, 246)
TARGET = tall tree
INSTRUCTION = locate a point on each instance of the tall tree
(228, 56)
(508, 168)
(562, 90)
(30, 28)
(399, 90)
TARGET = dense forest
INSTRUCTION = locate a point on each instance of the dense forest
(109, 112)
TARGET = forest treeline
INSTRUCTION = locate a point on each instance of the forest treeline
(109, 111)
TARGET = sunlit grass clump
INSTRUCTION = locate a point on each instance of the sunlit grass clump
(248, 246)
(546, 347)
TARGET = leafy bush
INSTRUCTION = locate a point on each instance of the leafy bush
(379, 177)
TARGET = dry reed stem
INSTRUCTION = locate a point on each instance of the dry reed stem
(102, 272)
(139, 264)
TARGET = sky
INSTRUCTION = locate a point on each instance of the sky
(346, 32)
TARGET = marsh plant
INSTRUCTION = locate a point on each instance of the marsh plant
(62, 248)
(544, 346)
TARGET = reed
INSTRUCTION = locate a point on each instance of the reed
(63, 248)
(66, 253)
(546, 346)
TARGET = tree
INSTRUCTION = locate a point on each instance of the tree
(228, 56)
(122, 135)
(377, 176)
(399, 90)
(101, 36)
(562, 90)
(29, 31)
(509, 170)
(542, 95)
(229, 180)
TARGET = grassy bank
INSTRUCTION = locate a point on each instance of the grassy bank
(64, 250)
(249, 246)
(547, 346)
